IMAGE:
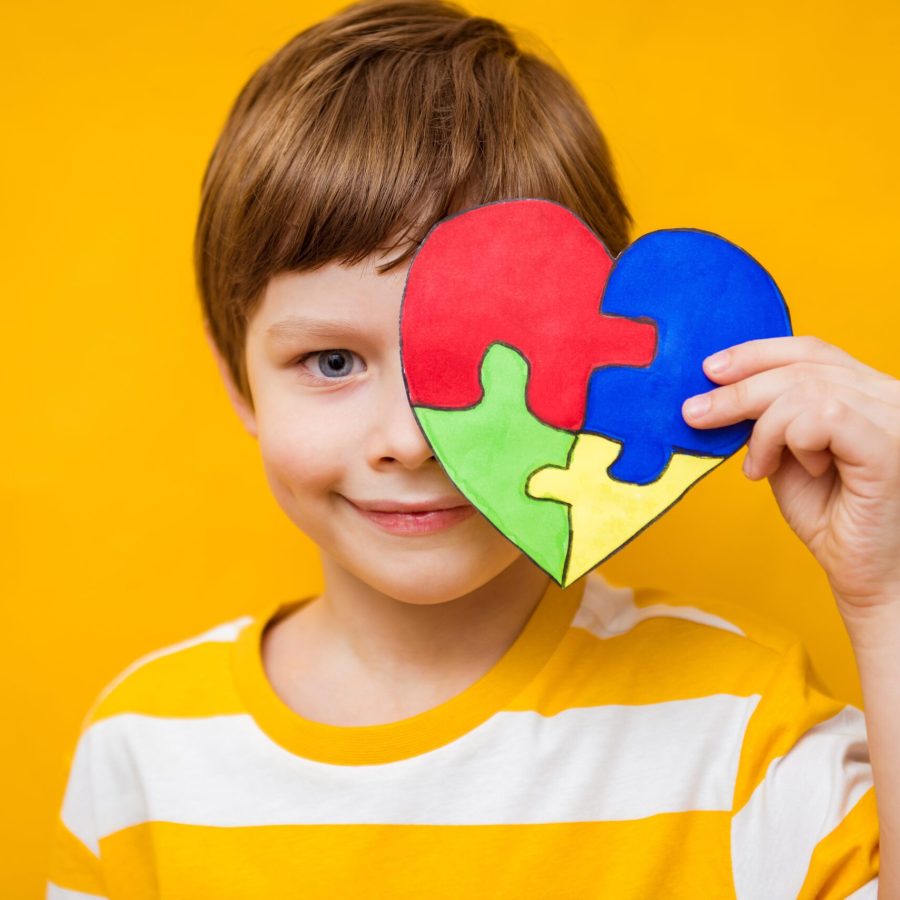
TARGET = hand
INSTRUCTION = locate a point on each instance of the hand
(827, 436)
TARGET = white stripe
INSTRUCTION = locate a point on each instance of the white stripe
(804, 796)
(54, 892)
(584, 764)
(869, 891)
(78, 802)
(77, 807)
(607, 611)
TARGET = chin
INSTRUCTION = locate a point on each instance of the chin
(432, 577)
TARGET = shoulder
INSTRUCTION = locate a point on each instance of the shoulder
(189, 678)
(609, 611)
(655, 648)
(689, 645)
(140, 716)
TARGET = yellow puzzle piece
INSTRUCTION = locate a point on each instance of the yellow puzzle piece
(606, 513)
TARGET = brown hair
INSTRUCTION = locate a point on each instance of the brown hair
(366, 129)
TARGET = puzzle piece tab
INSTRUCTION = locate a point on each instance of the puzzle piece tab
(605, 513)
(526, 273)
(491, 449)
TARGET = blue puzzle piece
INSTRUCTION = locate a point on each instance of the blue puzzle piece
(704, 294)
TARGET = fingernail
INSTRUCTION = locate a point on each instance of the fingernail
(697, 406)
(716, 363)
(748, 466)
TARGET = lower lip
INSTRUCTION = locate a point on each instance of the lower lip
(417, 523)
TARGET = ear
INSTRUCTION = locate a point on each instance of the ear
(241, 406)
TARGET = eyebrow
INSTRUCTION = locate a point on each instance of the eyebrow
(306, 326)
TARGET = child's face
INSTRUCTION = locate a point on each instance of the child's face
(337, 434)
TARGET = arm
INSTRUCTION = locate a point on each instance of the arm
(827, 437)
(876, 644)
(75, 866)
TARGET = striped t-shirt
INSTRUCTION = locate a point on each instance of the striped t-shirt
(629, 744)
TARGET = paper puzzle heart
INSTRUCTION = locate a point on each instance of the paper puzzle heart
(548, 376)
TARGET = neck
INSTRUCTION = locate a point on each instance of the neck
(393, 641)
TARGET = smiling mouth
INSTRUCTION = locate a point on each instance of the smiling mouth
(414, 518)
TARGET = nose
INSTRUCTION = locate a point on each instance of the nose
(395, 437)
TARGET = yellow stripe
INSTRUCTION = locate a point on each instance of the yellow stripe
(790, 707)
(755, 626)
(847, 858)
(681, 855)
(659, 661)
(72, 865)
(195, 681)
(663, 659)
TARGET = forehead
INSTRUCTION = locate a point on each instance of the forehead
(335, 296)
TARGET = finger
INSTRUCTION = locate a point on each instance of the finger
(765, 449)
(815, 463)
(750, 397)
(749, 357)
(848, 429)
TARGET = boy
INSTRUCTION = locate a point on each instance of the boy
(441, 721)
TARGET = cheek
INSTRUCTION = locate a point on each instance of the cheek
(301, 458)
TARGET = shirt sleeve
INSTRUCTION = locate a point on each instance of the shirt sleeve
(75, 867)
(804, 819)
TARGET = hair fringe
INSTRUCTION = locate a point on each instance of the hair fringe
(366, 129)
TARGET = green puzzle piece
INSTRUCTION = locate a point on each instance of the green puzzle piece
(490, 450)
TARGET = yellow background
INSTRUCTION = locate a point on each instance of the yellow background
(135, 509)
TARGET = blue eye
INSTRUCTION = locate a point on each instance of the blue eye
(334, 363)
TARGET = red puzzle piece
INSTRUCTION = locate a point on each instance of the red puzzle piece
(532, 274)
